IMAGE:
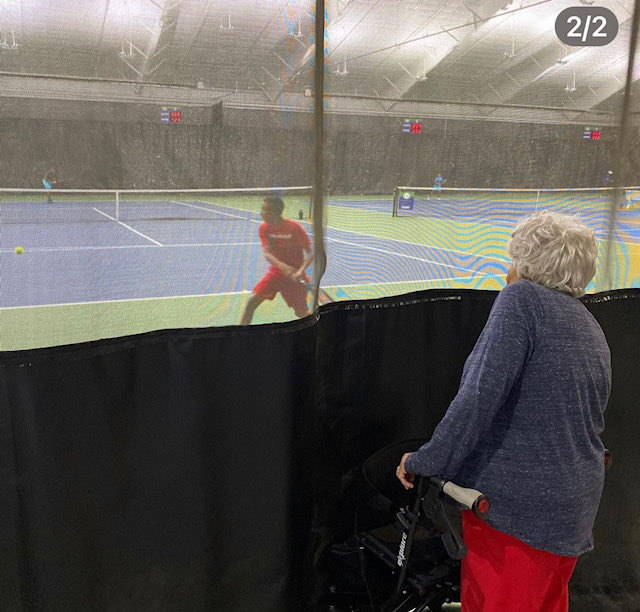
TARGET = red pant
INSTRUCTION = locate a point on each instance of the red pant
(503, 574)
(293, 292)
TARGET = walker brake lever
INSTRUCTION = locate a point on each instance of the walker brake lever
(434, 509)
(406, 518)
(451, 538)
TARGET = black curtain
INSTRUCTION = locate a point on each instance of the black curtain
(210, 469)
(156, 472)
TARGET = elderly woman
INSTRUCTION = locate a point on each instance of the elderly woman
(524, 427)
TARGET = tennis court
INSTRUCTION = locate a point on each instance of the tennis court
(147, 408)
(143, 261)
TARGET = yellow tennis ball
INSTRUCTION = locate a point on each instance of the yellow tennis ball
(19, 250)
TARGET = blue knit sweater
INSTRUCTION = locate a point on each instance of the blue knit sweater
(524, 427)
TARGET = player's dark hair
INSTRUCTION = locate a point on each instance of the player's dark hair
(275, 202)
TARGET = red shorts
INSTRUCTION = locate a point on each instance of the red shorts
(293, 292)
(502, 573)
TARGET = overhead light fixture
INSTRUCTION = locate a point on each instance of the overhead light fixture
(342, 71)
(126, 51)
(8, 41)
(509, 53)
(298, 34)
(228, 27)
(571, 85)
(423, 76)
(565, 59)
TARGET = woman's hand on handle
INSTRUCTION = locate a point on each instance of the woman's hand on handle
(405, 477)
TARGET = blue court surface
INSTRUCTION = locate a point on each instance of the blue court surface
(188, 263)
(88, 261)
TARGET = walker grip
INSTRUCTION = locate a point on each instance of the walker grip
(470, 498)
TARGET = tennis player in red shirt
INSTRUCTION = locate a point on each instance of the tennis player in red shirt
(287, 248)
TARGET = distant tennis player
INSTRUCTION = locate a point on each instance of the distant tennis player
(607, 181)
(437, 185)
(49, 180)
(287, 247)
(438, 182)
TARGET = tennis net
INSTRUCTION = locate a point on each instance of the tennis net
(127, 205)
(502, 206)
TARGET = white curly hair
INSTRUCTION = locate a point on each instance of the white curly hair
(554, 250)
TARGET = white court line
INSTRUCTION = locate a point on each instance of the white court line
(405, 282)
(428, 246)
(209, 209)
(127, 226)
(361, 246)
(146, 299)
(355, 208)
(201, 244)
(131, 246)
(243, 292)
(601, 237)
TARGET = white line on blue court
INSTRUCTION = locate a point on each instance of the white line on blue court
(245, 292)
(430, 261)
(131, 246)
(354, 207)
(427, 246)
(407, 282)
(201, 244)
(209, 209)
(127, 226)
(146, 299)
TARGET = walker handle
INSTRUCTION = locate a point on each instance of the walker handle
(470, 498)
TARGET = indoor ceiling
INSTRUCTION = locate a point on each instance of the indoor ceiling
(486, 51)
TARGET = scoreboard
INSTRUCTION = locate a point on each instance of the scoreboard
(170, 115)
(412, 126)
(591, 133)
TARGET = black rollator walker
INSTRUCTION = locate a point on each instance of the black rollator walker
(407, 558)
(411, 563)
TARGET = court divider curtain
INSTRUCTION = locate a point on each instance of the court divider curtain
(159, 472)
(210, 469)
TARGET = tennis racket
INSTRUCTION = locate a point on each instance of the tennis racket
(323, 296)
